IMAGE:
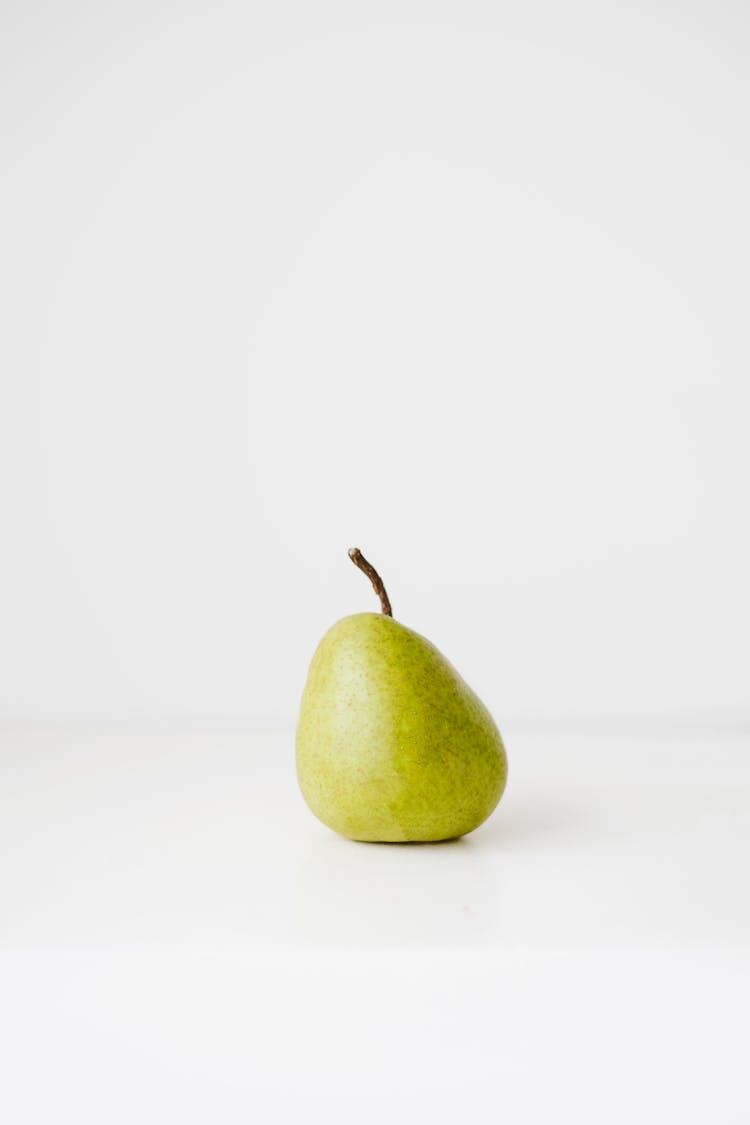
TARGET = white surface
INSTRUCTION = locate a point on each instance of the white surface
(201, 839)
(195, 848)
(580, 1038)
(464, 282)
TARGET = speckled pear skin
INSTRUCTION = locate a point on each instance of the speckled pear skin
(392, 745)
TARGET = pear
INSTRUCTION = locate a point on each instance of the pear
(392, 745)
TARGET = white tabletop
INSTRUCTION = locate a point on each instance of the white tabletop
(162, 838)
(174, 928)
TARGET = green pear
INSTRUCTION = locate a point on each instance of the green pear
(392, 745)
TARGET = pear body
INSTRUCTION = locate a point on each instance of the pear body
(392, 745)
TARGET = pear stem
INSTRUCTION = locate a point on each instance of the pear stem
(377, 582)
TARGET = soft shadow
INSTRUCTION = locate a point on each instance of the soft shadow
(520, 824)
(527, 823)
(453, 841)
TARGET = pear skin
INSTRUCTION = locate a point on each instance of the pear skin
(392, 744)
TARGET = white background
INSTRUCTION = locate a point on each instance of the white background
(464, 284)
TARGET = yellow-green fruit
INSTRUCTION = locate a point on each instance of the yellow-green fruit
(392, 745)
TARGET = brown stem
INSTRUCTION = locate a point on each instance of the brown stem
(377, 582)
